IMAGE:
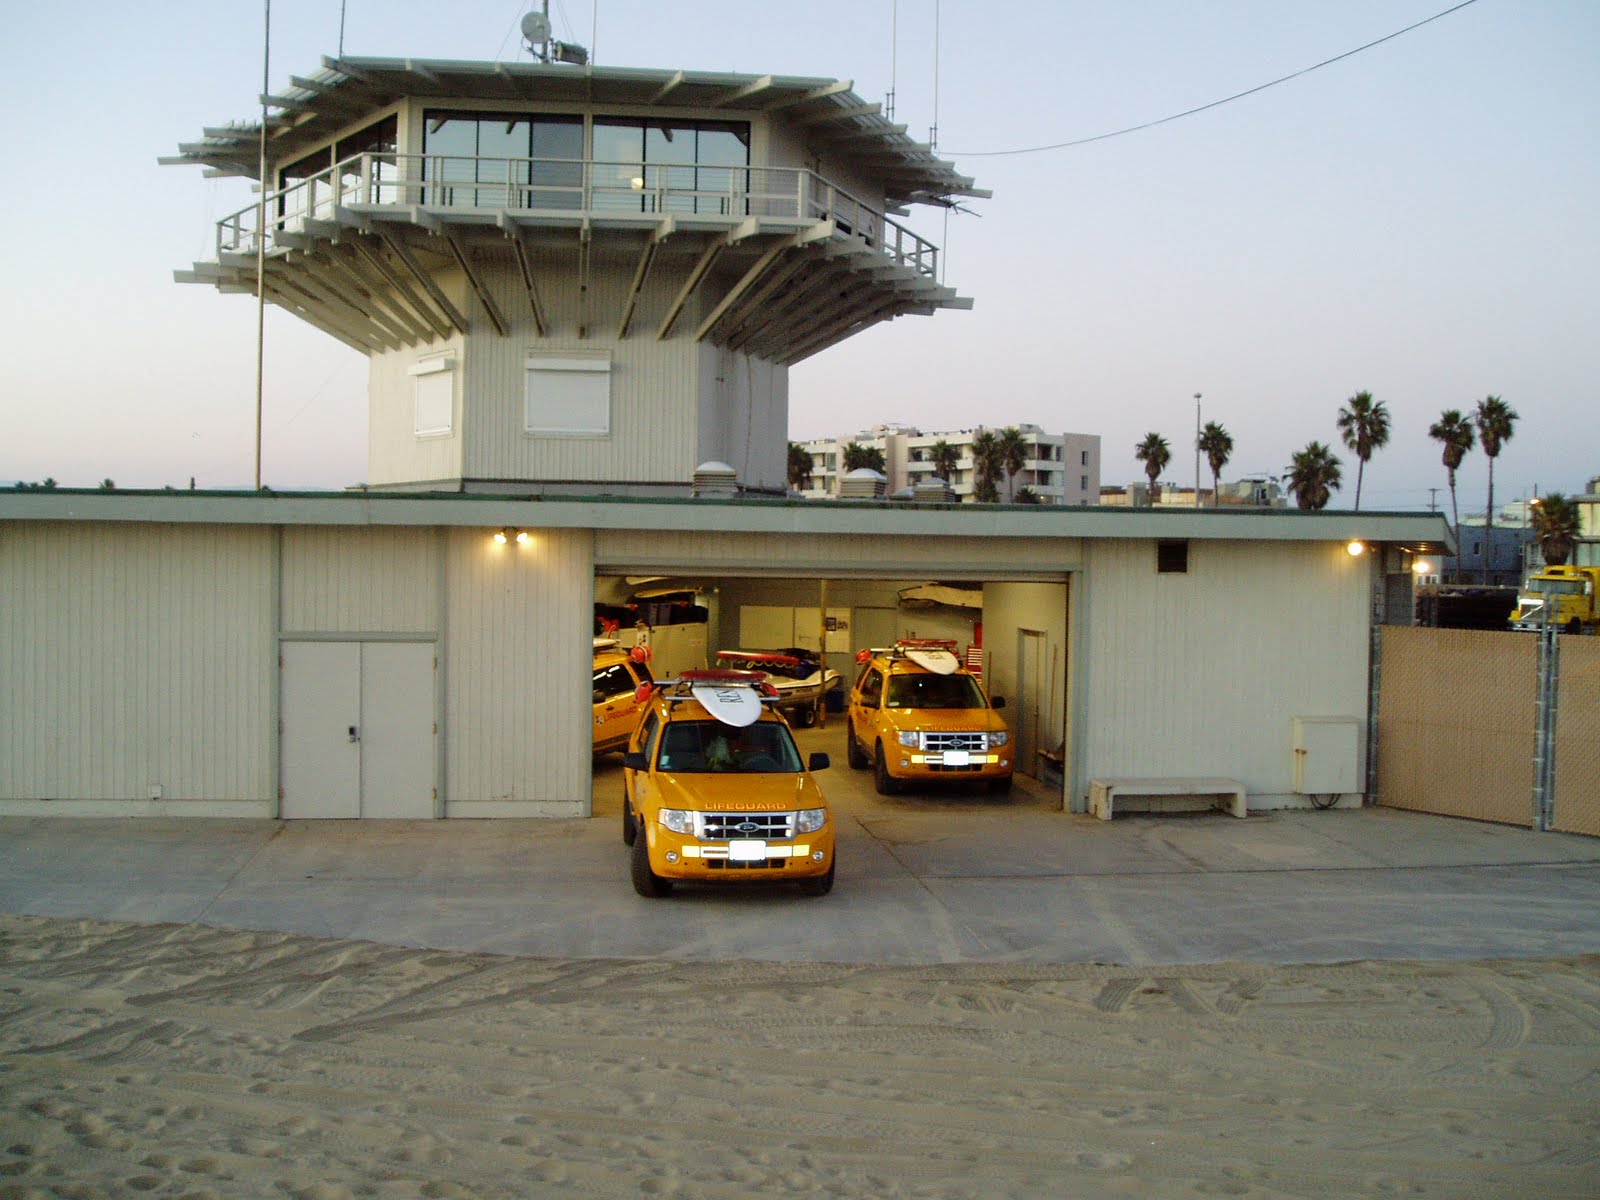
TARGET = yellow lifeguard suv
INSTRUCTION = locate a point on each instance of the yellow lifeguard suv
(918, 716)
(715, 789)
(618, 675)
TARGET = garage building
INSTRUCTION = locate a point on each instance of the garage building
(345, 655)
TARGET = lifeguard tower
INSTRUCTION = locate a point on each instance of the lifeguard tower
(572, 279)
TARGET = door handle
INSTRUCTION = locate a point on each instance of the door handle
(355, 734)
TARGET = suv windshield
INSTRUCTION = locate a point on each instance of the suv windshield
(934, 691)
(712, 746)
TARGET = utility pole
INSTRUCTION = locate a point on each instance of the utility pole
(1197, 449)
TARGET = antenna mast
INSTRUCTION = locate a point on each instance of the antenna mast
(894, 47)
(536, 36)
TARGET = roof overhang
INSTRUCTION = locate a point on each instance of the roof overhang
(1421, 532)
(319, 107)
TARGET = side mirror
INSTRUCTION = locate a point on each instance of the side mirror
(819, 762)
(997, 702)
(634, 760)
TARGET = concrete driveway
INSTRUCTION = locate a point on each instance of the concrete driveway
(954, 877)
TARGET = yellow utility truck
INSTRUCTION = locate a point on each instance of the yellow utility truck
(1570, 593)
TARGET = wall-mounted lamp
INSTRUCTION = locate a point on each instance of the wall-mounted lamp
(502, 536)
(521, 536)
(524, 537)
(1422, 566)
(1356, 548)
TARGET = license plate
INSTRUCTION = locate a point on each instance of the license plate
(747, 851)
(957, 758)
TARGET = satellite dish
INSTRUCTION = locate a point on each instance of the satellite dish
(535, 29)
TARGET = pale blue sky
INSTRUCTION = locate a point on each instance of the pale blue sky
(1421, 221)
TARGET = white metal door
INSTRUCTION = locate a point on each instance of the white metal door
(397, 735)
(321, 706)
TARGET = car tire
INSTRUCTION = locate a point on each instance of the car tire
(818, 885)
(1000, 786)
(806, 717)
(645, 881)
(853, 752)
(886, 783)
(630, 827)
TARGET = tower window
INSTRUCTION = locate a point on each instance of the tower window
(567, 396)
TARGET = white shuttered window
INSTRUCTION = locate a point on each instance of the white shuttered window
(434, 413)
(567, 396)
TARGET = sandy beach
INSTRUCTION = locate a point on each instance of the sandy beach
(180, 1060)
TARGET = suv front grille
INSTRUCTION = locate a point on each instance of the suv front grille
(727, 827)
(938, 743)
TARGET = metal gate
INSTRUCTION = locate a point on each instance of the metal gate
(1459, 725)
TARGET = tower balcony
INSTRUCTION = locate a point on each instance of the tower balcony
(387, 250)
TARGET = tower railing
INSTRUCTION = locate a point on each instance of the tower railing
(564, 188)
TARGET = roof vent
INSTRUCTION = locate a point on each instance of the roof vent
(714, 480)
(863, 484)
(932, 490)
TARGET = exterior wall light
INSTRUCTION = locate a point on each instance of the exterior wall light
(524, 537)
(521, 536)
(1356, 548)
(1422, 566)
(502, 536)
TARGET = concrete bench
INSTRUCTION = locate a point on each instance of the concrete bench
(1225, 793)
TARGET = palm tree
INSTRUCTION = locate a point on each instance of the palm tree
(1216, 443)
(1314, 476)
(1454, 432)
(857, 456)
(986, 466)
(1155, 454)
(944, 457)
(1013, 452)
(1555, 525)
(799, 467)
(108, 484)
(1495, 419)
(1364, 425)
(1026, 495)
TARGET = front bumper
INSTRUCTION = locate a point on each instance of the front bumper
(904, 762)
(683, 856)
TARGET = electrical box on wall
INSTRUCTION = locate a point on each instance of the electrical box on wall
(1327, 756)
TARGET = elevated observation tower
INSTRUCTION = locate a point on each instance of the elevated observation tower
(577, 279)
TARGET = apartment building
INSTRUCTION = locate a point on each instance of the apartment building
(1061, 468)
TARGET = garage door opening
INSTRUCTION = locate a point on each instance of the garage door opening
(1012, 635)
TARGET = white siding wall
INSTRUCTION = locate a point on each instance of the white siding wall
(136, 656)
(1202, 673)
(395, 454)
(789, 149)
(517, 698)
(361, 580)
(815, 554)
(744, 403)
(654, 384)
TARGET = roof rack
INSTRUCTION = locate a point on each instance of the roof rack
(904, 646)
(682, 687)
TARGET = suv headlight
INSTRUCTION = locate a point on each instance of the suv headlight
(999, 739)
(910, 738)
(809, 820)
(677, 819)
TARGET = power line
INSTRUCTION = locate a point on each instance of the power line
(1100, 137)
